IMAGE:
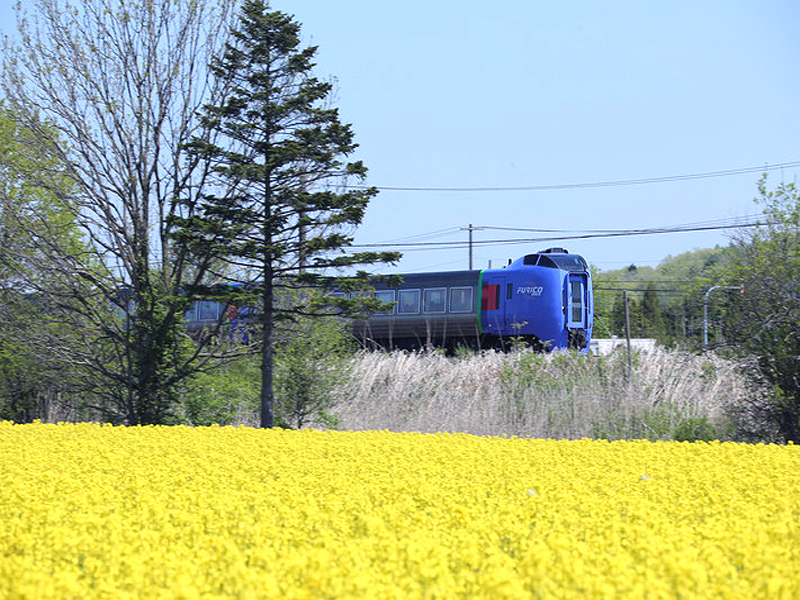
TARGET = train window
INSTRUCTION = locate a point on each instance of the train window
(577, 301)
(119, 313)
(123, 311)
(207, 310)
(530, 259)
(434, 300)
(546, 261)
(570, 262)
(386, 296)
(333, 306)
(490, 297)
(460, 299)
(408, 302)
(191, 314)
(509, 291)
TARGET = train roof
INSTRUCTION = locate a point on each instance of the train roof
(553, 258)
(437, 278)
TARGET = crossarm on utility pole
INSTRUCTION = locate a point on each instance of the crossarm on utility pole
(470, 228)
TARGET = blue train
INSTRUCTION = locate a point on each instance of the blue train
(544, 299)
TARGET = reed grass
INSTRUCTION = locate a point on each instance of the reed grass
(666, 395)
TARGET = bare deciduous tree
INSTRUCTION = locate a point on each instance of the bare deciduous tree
(113, 88)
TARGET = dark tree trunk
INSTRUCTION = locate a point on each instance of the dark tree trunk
(267, 393)
(267, 388)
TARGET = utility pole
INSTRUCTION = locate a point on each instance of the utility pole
(705, 307)
(470, 228)
(628, 332)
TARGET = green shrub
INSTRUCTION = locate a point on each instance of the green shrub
(227, 394)
(311, 359)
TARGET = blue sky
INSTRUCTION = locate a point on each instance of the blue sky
(526, 93)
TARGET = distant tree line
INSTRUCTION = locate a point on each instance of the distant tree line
(665, 302)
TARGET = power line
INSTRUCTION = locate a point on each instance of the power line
(588, 185)
(724, 222)
(614, 289)
(513, 241)
(422, 236)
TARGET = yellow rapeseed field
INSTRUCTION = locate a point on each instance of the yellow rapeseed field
(90, 511)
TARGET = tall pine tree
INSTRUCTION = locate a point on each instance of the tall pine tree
(281, 213)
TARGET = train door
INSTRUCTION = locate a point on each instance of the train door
(493, 305)
(576, 301)
(503, 309)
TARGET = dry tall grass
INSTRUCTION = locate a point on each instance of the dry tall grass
(670, 395)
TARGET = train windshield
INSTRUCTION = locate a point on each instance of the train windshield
(569, 262)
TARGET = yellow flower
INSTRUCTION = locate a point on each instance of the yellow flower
(90, 511)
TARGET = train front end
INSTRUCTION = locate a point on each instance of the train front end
(543, 298)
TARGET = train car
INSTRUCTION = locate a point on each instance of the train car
(231, 321)
(544, 299)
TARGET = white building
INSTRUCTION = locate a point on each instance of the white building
(604, 347)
